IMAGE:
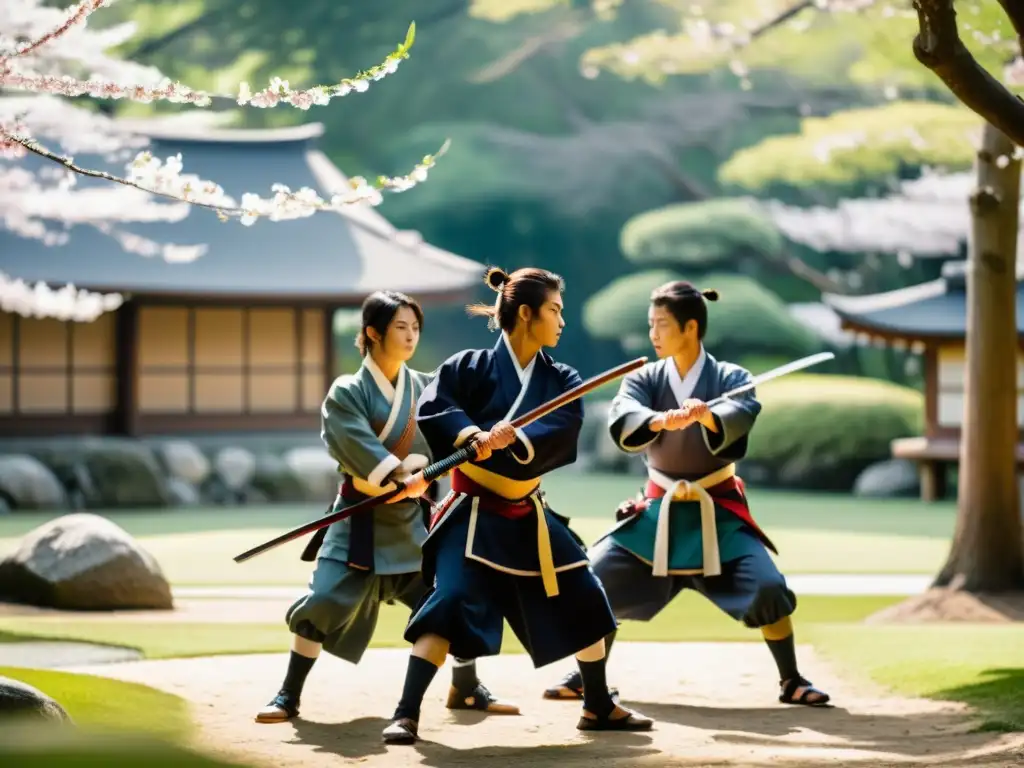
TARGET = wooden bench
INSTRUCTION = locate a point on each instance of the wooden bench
(933, 456)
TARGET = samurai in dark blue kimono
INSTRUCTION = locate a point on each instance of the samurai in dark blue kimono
(496, 551)
(368, 425)
(692, 528)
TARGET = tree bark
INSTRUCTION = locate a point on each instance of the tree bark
(987, 553)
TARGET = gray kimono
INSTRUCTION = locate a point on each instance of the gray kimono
(369, 427)
(697, 533)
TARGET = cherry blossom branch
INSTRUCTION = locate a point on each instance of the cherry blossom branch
(278, 92)
(76, 15)
(164, 179)
(938, 46)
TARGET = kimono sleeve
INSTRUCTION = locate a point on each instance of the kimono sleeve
(350, 439)
(632, 410)
(734, 418)
(552, 441)
(439, 415)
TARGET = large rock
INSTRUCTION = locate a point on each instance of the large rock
(184, 460)
(896, 477)
(182, 493)
(28, 484)
(276, 480)
(316, 470)
(20, 699)
(235, 467)
(83, 562)
(101, 473)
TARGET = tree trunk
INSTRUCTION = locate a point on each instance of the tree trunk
(987, 554)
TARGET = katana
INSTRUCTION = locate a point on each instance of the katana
(774, 373)
(445, 465)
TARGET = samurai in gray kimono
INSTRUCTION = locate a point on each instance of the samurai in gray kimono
(691, 527)
(368, 423)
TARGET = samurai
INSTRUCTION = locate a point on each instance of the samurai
(496, 550)
(368, 425)
(691, 527)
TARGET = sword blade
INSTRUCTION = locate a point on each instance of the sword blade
(774, 373)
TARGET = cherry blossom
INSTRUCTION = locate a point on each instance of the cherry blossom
(44, 53)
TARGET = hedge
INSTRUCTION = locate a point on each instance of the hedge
(819, 431)
(705, 234)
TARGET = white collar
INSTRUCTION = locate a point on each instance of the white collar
(520, 371)
(386, 387)
(683, 386)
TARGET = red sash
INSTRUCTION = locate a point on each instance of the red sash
(489, 501)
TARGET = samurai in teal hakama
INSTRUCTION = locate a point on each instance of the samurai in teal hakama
(691, 526)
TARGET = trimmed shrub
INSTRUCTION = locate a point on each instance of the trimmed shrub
(820, 432)
(700, 235)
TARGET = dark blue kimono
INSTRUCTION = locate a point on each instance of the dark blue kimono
(497, 551)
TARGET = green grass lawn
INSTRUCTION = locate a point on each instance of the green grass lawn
(815, 533)
(105, 703)
(981, 665)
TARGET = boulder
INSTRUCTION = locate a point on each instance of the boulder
(235, 466)
(316, 470)
(182, 493)
(102, 472)
(83, 562)
(896, 477)
(184, 460)
(276, 480)
(26, 483)
(20, 699)
(216, 491)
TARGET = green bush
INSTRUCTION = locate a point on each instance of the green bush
(748, 319)
(849, 150)
(819, 432)
(708, 234)
(619, 310)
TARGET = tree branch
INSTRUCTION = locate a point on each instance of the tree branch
(284, 205)
(938, 47)
(529, 48)
(779, 19)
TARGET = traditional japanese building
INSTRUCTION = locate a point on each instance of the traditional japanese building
(238, 339)
(930, 318)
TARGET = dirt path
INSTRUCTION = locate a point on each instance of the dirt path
(714, 704)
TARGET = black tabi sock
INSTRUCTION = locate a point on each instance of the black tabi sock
(464, 676)
(576, 678)
(417, 679)
(596, 698)
(784, 652)
(295, 677)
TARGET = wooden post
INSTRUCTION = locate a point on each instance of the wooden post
(330, 357)
(987, 552)
(127, 359)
